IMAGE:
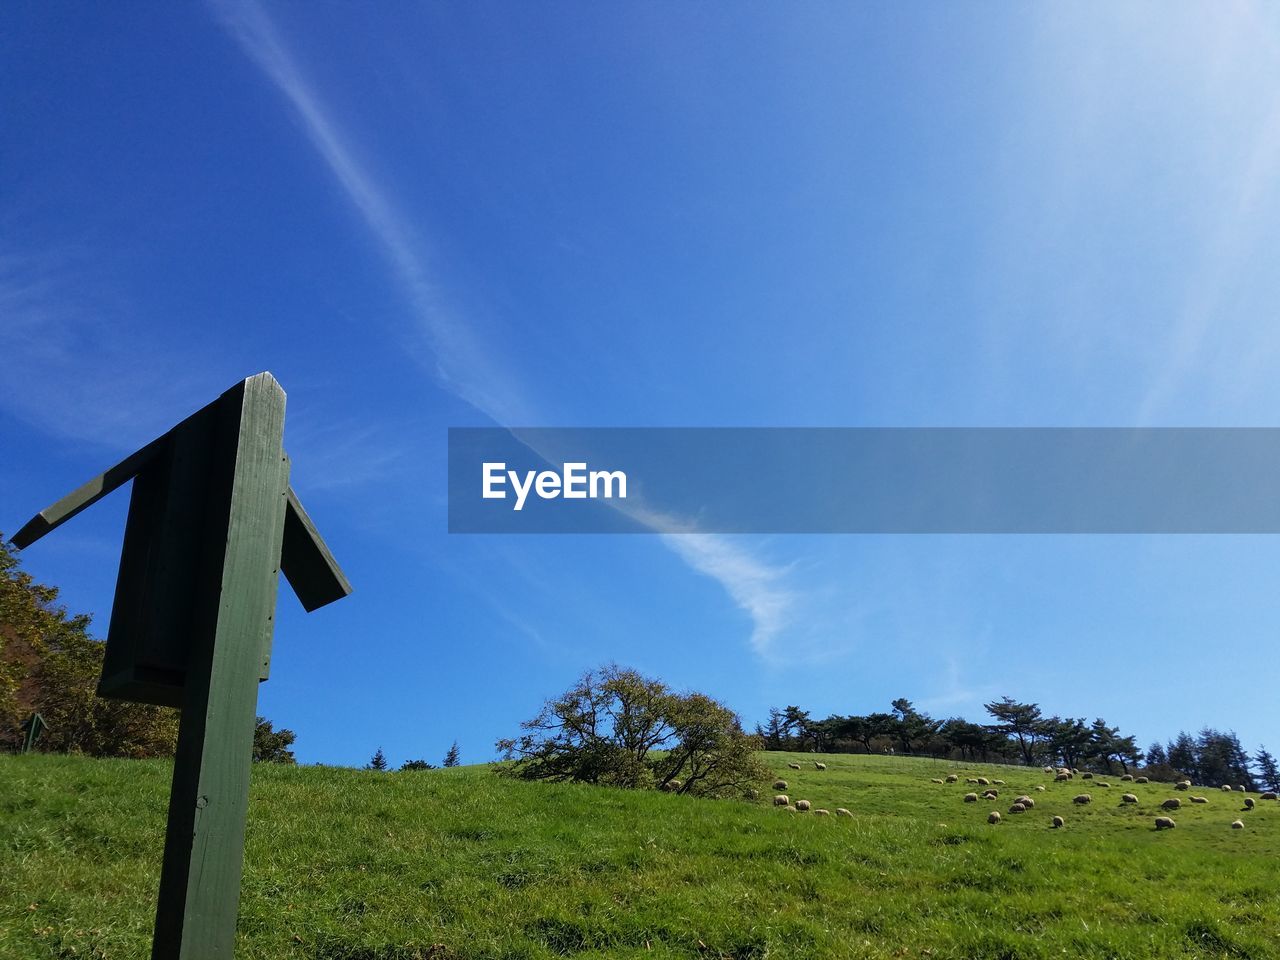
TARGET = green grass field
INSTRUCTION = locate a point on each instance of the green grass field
(354, 865)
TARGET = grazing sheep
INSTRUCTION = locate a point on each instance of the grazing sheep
(1128, 798)
(802, 805)
(1237, 824)
(993, 816)
(1165, 823)
(1127, 777)
(1182, 785)
(1102, 783)
(1141, 779)
(779, 784)
(1017, 808)
(1086, 776)
(793, 766)
(821, 813)
(1025, 801)
(984, 782)
(1173, 803)
(842, 812)
(935, 780)
(952, 778)
(973, 780)
(819, 766)
(1082, 798)
(998, 783)
(781, 800)
(1040, 787)
(1199, 799)
(1226, 787)
(991, 795)
(1058, 822)
(1047, 769)
(1248, 803)
(1270, 795)
(970, 798)
(790, 808)
(1241, 789)
(1060, 777)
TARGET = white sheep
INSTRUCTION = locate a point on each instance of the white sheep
(998, 783)
(842, 812)
(1165, 823)
(793, 766)
(935, 779)
(1241, 789)
(1025, 801)
(781, 800)
(1248, 803)
(952, 778)
(1129, 798)
(993, 816)
(1173, 803)
(1127, 777)
(779, 784)
(1061, 777)
(970, 798)
(821, 813)
(1199, 799)
(1017, 808)
(1226, 788)
(1270, 795)
(1058, 822)
(984, 782)
(1141, 779)
(819, 766)
(1082, 798)
(802, 805)
(1086, 776)
(1237, 824)
(1040, 787)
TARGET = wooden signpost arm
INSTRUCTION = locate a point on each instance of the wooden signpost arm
(306, 561)
(87, 495)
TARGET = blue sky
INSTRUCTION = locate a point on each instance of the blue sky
(570, 214)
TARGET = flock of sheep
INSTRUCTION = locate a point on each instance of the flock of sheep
(1024, 802)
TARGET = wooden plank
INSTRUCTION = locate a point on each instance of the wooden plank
(87, 495)
(308, 564)
(204, 844)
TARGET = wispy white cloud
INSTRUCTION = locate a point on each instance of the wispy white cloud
(71, 353)
(464, 363)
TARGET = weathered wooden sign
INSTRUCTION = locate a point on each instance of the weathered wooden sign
(212, 522)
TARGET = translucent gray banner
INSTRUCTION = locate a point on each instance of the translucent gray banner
(864, 480)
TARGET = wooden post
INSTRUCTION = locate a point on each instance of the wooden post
(204, 843)
(212, 523)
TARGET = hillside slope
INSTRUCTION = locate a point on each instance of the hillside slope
(353, 865)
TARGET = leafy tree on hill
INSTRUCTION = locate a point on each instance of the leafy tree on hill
(1019, 721)
(378, 762)
(417, 765)
(272, 746)
(50, 664)
(1268, 773)
(1181, 754)
(451, 758)
(619, 728)
(1156, 757)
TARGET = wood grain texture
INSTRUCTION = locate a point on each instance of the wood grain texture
(204, 844)
(307, 563)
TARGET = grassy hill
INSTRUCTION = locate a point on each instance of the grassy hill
(354, 865)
